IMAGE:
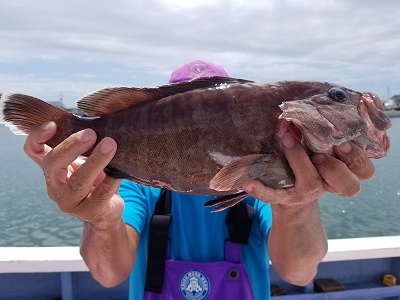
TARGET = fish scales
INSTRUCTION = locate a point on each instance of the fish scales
(181, 130)
(211, 135)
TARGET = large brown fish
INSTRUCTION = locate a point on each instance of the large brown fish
(211, 135)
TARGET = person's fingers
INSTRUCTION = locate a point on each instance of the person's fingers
(356, 160)
(309, 185)
(317, 174)
(337, 176)
(35, 145)
(269, 195)
(95, 205)
(80, 184)
(57, 163)
(308, 182)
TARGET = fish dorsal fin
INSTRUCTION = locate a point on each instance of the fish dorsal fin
(110, 100)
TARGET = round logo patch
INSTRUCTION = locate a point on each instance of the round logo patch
(198, 70)
(195, 285)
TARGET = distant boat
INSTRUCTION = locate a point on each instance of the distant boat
(393, 103)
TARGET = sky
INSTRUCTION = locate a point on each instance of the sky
(66, 49)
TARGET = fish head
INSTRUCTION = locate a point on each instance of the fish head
(331, 115)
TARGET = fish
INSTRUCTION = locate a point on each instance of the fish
(210, 135)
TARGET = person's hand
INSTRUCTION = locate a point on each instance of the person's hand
(317, 174)
(78, 185)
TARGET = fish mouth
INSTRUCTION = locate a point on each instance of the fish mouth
(375, 141)
(321, 127)
(371, 110)
(317, 143)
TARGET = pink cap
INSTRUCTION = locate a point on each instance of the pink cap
(195, 69)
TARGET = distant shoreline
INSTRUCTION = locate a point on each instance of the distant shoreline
(393, 113)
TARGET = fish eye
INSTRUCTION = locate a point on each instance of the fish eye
(338, 95)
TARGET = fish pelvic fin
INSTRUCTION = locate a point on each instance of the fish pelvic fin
(21, 112)
(111, 100)
(221, 203)
(269, 169)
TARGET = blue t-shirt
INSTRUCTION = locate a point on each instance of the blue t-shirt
(196, 234)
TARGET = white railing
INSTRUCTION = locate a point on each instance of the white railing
(41, 259)
(68, 259)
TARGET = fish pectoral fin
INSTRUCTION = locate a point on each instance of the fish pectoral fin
(111, 100)
(238, 171)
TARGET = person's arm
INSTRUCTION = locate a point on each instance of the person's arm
(297, 242)
(80, 188)
(297, 239)
(108, 250)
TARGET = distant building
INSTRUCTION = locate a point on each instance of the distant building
(393, 103)
(395, 98)
(58, 104)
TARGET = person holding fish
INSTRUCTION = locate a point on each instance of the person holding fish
(201, 259)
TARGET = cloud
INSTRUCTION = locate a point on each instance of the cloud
(75, 46)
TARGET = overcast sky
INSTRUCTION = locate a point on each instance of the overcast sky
(70, 48)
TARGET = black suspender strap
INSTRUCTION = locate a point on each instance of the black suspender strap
(158, 243)
(239, 220)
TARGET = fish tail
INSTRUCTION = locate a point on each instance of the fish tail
(21, 112)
